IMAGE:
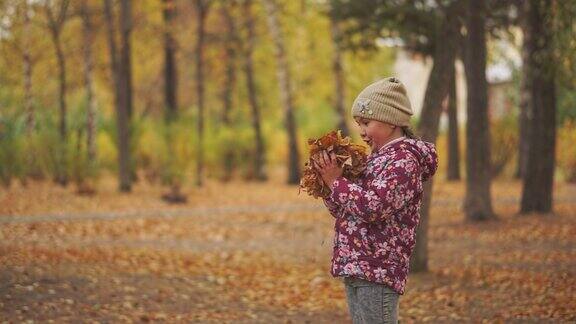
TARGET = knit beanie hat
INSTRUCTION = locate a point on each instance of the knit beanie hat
(384, 100)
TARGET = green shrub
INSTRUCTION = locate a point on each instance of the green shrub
(179, 153)
(165, 153)
(239, 144)
(11, 150)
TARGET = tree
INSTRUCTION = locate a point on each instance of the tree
(201, 8)
(524, 107)
(285, 90)
(121, 74)
(524, 104)
(56, 15)
(170, 64)
(537, 189)
(113, 51)
(453, 172)
(88, 37)
(477, 203)
(338, 70)
(20, 41)
(248, 66)
(231, 44)
(125, 72)
(126, 53)
(28, 70)
(436, 90)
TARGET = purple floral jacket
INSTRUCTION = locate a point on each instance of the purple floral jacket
(376, 215)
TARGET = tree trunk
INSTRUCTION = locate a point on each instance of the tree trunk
(537, 190)
(524, 118)
(113, 50)
(56, 20)
(170, 71)
(477, 203)
(122, 114)
(201, 13)
(125, 55)
(62, 84)
(231, 44)
(337, 63)
(27, 58)
(125, 72)
(436, 90)
(525, 114)
(170, 91)
(259, 159)
(285, 90)
(88, 83)
(453, 140)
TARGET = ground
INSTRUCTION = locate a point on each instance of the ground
(260, 253)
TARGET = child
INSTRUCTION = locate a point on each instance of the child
(376, 215)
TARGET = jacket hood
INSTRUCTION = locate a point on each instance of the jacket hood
(425, 153)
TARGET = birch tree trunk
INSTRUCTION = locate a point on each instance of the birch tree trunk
(285, 90)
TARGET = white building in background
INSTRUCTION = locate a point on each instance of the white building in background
(500, 88)
(413, 71)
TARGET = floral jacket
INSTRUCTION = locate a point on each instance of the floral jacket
(376, 215)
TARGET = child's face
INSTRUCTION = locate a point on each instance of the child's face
(375, 133)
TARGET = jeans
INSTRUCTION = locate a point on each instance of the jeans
(370, 302)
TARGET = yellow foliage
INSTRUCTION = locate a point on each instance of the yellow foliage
(503, 144)
(566, 150)
(107, 151)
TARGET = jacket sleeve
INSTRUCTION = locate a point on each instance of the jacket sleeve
(384, 196)
(333, 207)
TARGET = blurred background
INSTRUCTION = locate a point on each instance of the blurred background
(151, 150)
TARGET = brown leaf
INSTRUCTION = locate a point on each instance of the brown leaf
(351, 157)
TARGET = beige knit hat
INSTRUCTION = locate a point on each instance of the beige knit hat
(384, 100)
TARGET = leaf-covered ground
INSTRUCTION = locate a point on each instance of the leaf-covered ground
(266, 258)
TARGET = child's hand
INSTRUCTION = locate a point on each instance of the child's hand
(327, 166)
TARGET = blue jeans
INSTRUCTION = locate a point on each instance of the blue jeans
(371, 303)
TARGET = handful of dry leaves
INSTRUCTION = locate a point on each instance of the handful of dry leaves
(352, 157)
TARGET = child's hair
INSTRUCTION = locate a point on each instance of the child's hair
(408, 132)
